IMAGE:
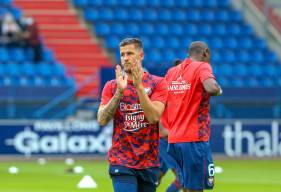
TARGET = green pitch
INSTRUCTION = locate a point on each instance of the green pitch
(237, 176)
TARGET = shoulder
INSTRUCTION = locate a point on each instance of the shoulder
(110, 83)
(172, 70)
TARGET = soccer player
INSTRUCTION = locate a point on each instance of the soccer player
(190, 86)
(166, 161)
(135, 101)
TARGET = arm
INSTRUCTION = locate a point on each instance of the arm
(212, 87)
(106, 112)
(152, 109)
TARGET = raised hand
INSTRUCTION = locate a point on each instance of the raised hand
(137, 74)
(120, 79)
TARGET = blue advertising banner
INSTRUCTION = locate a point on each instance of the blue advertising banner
(247, 138)
(259, 138)
(55, 137)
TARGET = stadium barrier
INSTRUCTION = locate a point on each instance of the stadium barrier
(235, 138)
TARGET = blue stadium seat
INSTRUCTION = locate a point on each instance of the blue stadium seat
(154, 55)
(149, 15)
(121, 14)
(158, 42)
(135, 14)
(243, 56)
(240, 70)
(12, 69)
(178, 15)
(205, 30)
(106, 14)
(139, 2)
(219, 29)
(95, 3)
(229, 56)
(266, 82)
(91, 14)
(17, 54)
(133, 29)
(162, 29)
(222, 16)
(216, 43)
(58, 69)
(172, 42)
(112, 42)
(44, 70)
(147, 29)
(27, 69)
(81, 3)
(102, 29)
(245, 42)
(208, 16)
(190, 29)
(235, 16)
(176, 29)
(4, 55)
(234, 29)
(256, 70)
(154, 3)
(251, 82)
(193, 15)
(118, 29)
(226, 70)
(164, 15)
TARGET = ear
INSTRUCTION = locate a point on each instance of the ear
(141, 54)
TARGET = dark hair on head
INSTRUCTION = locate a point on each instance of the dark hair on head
(197, 47)
(128, 41)
(177, 62)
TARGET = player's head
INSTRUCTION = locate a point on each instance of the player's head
(177, 62)
(131, 52)
(199, 51)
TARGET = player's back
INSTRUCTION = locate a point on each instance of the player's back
(188, 102)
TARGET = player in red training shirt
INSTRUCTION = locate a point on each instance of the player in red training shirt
(136, 102)
(166, 161)
(190, 86)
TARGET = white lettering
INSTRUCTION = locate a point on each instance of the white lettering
(261, 143)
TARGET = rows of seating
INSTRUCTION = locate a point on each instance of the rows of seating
(17, 67)
(19, 54)
(168, 27)
(154, 3)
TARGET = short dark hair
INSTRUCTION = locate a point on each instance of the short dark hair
(197, 47)
(128, 41)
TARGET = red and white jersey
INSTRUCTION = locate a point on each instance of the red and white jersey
(188, 103)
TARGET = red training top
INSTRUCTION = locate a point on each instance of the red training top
(135, 141)
(188, 103)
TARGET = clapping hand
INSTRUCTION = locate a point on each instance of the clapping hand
(120, 79)
(137, 74)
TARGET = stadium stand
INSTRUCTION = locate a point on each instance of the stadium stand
(167, 28)
(24, 83)
(71, 42)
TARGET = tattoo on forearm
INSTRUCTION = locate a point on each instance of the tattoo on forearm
(105, 114)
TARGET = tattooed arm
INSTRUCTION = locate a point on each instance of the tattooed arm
(106, 112)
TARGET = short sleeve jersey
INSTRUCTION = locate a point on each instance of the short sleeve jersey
(135, 141)
(188, 103)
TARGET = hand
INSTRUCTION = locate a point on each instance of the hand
(120, 79)
(137, 74)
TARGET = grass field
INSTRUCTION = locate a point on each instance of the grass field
(237, 176)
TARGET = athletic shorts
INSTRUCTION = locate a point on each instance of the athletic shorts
(166, 161)
(144, 178)
(196, 164)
